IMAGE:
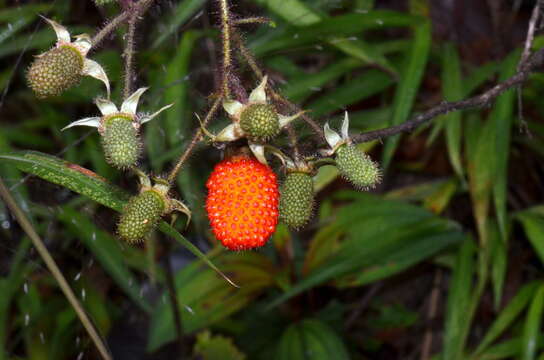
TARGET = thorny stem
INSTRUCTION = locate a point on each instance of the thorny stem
(136, 11)
(111, 26)
(55, 271)
(484, 99)
(194, 141)
(128, 55)
(227, 60)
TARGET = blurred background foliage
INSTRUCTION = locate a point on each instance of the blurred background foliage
(443, 261)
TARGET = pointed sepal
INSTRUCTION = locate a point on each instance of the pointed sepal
(258, 152)
(258, 95)
(93, 69)
(130, 105)
(62, 34)
(105, 106)
(285, 120)
(232, 107)
(90, 121)
(332, 137)
(147, 118)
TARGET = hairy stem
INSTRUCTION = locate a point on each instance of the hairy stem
(55, 271)
(128, 55)
(109, 28)
(194, 141)
(226, 38)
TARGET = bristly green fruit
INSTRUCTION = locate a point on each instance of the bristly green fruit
(357, 167)
(297, 199)
(260, 122)
(55, 71)
(141, 215)
(121, 142)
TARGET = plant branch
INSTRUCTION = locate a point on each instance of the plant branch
(109, 28)
(136, 11)
(226, 38)
(484, 99)
(196, 138)
(54, 269)
(128, 55)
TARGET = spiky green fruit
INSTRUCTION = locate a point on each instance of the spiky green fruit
(120, 142)
(260, 122)
(296, 199)
(357, 167)
(55, 71)
(141, 215)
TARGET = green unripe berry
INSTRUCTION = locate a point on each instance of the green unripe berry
(357, 167)
(120, 142)
(296, 199)
(55, 71)
(260, 122)
(141, 215)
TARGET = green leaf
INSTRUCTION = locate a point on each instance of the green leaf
(499, 259)
(184, 10)
(368, 84)
(87, 183)
(533, 324)
(407, 235)
(216, 347)
(507, 316)
(452, 88)
(459, 299)
(177, 117)
(405, 94)
(313, 339)
(502, 118)
(206, 298)
(533, 224)
(71, 176)
(106, 249)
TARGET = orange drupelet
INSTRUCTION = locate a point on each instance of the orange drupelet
(242, 202)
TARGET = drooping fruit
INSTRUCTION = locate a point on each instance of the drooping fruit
(141, 215)
(357, 167)
(242, 202)
(260, 122)
(55, 71)
(120, 141)
(296, 199)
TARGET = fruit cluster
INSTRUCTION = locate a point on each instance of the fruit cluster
(244, 202)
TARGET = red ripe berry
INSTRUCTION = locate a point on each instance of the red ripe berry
(242, 202)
